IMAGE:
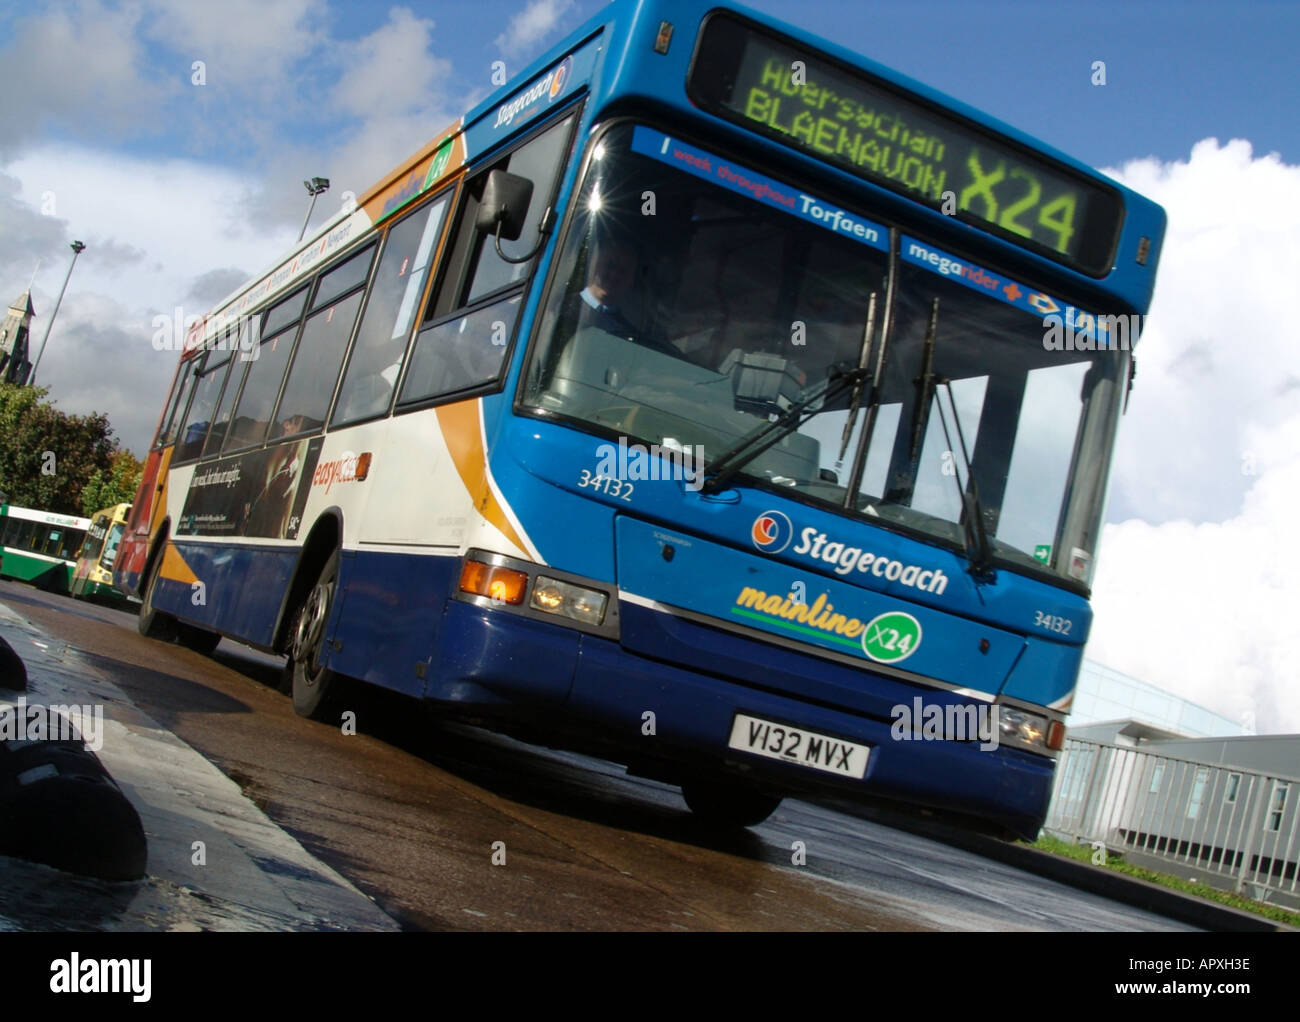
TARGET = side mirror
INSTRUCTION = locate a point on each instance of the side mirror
(505, 205)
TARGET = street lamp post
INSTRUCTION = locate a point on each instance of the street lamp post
(77, 248)
(316, 186)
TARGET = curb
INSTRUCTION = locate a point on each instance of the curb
(59, 805)
(252, 876)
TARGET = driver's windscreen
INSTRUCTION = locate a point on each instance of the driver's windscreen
(696, 300)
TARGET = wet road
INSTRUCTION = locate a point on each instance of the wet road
(415, 814)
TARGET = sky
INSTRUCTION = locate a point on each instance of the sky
(173, 136)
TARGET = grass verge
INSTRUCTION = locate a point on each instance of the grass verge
(1115, 861)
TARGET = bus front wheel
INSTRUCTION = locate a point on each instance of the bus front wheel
(314, 687)
(727, 804)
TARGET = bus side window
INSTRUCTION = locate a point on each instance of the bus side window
(247, 341)
(395, 294)
(473, 269)
(195, 371)
(324, 340)
(207, 389)
(176, 404)
(466, 333)
(264, 374)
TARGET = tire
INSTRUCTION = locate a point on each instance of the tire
(198, 639)
(315, 689)
(155, 624)
(726, 804)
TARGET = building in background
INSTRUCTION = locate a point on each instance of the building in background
(1179, 788)
(15, 335)
(1105, 694)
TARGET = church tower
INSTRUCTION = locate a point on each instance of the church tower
(15, 360)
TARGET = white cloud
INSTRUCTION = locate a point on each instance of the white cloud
(153, 230)
(170, 232)
(390, 68)
(81, 67)
(531, 25)
(393, 81)
(100, 359)
(245, 44)
(1199, 591)
(1219, 349)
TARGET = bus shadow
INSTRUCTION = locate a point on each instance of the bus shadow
(570, 784)
(166, 696)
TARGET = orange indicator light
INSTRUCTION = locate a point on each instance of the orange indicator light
(504, 585)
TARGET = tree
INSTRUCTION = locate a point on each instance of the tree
(116, 486)
(47, 456)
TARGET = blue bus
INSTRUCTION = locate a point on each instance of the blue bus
(710, 398)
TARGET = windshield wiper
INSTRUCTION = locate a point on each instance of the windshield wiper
(856, 403)
(924, 384)
(750, 446)
(979, 551)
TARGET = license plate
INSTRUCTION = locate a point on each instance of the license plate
(797, 746)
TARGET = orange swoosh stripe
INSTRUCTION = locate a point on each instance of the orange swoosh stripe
(461, 433)
(175, 567)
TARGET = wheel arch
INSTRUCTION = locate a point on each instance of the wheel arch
(325, 537)
(156, 547)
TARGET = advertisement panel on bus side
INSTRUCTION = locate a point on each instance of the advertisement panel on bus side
(258, 494)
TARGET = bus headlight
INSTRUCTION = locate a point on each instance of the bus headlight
(1022, 727)
(551, 596)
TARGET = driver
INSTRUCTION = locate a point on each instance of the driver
(610, 274)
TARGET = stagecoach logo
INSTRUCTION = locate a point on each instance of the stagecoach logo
(560, 77)
(550, 85)
(771, 532)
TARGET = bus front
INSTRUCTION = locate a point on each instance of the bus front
(818, 465)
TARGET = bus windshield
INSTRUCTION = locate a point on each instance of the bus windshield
(696, 300)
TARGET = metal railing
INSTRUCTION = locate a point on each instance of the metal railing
(1240, 824)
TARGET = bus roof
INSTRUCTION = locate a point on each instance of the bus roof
(47, 517)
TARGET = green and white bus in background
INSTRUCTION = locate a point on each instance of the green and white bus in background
(40, 547)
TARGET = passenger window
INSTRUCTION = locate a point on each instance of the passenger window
(316, 368)
(207, 389)
(261, 385)
(285, 313)
(168, 432)
(221, 417)
(390, 312)
(343, 278)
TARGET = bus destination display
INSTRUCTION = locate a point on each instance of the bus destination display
(852, 121)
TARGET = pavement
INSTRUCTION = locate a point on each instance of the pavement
(247, 875)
